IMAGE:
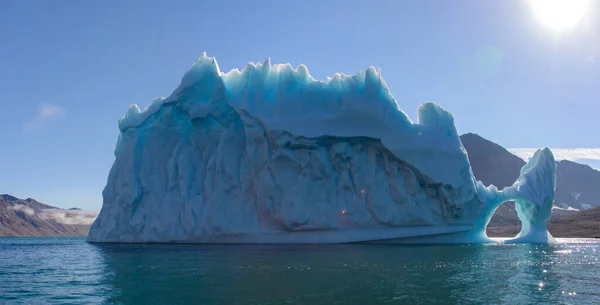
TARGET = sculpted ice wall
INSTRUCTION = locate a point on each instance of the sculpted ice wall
(533, 193)
(270, 155)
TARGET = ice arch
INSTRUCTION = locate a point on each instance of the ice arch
(271, 155)
(533, 194)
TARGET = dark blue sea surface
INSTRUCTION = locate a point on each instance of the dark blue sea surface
(71, 271)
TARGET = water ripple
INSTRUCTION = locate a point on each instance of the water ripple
(70, 271)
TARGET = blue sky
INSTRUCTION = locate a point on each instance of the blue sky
(69, 70)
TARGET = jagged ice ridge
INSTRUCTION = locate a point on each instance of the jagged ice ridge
(271, 155)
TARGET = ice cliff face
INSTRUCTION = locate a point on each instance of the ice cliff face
(269, 154)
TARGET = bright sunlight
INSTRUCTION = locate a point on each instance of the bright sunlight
(559, 15)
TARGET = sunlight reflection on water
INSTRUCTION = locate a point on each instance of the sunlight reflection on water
(68, 270)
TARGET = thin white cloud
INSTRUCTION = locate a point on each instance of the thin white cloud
(45, 114)
(23, 208)
(571, 154)
(67, 217)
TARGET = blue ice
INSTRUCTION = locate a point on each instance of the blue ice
(271, 155)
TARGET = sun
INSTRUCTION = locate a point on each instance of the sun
(559, 15)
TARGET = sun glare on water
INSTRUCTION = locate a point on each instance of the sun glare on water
(559, 15)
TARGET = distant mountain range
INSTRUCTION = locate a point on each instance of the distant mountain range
(577, 185)
(28, 217)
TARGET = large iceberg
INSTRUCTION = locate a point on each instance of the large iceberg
(271, 155)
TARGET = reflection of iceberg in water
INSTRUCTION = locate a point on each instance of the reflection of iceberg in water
(340, 274)
(270, 155)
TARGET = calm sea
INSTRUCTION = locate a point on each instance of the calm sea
(71, 271)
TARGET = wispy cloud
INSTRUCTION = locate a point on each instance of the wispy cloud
(23, 208)
(571, 154)
(67, 217)
(45, 114)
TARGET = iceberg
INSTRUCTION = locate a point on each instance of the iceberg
(271, 155)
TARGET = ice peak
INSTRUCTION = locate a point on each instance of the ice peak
(538, 166)
(433, 115)
(203, 65)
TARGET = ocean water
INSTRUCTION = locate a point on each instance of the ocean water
(71, 271)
